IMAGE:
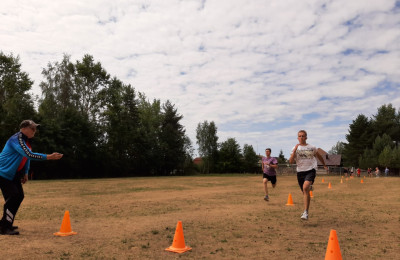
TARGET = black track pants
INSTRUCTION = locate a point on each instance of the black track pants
(13, 196)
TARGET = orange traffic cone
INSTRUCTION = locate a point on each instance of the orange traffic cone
(362, 181)
(329, 186)
(323, 180)
(341, 180)
(178, 245)
(289, 200)
(333, 249)
(65, 229)
(311, 194)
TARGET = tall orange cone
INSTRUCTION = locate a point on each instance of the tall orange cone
(362, 181)
(65, 229)
(311, 194)
(178, 245)
(289, 200)
(323, 180)
(330, 186)
(333, 249)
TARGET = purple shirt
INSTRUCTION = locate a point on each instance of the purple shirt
(269, 170)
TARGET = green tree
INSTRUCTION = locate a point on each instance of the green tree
(207, 140)
(58, 85)
(149, 157)
(281, 158)
(89, 79)
(189, 166)
(121, 125)
(387, 121)
(395, 158)
(368, 159)
(16, 103)
(381, 142)
(67, 128)
(172, 140)
(338, 148)
(250, 159)
(386, 157)
(230, 157)
(375, 156)
(358, 140)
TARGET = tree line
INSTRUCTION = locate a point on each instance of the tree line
(104, 128)
(373, 142)
(227, 156)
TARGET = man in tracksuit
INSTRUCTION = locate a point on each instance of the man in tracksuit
(14, 162)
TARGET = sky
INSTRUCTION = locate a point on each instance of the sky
(260, 69)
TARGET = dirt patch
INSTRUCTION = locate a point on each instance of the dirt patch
(223, 217)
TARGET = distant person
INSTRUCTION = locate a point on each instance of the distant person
(358, 172)
(305, 156)
(269, 166)
(346, 172)
(369, 171)
(351, 171)
(386, 171)
(377, 172)
(14, 167)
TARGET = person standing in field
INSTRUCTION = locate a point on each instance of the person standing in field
(14, 167)
(269, 165)
(377, 172)
(386, 171)
(305, 156)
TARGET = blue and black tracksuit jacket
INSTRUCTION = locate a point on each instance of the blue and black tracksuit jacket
(13, 153)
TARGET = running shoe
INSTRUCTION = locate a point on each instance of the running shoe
(304, 216)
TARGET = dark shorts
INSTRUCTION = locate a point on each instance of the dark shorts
(306, 176)
(272, 179)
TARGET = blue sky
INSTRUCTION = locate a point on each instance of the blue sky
(261, 70)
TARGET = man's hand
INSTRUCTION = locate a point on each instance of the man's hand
(291, 159)
(54, 156)
(24, 179)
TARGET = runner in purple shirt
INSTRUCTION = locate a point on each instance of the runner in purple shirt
(269, 165)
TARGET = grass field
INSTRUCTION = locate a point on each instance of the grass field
(223, 217)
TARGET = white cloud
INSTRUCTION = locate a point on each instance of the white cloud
(261, 70)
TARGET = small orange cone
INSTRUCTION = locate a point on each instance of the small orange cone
(289, 200)
(311, 194)
(341, 181)
(65, 229)
(329, 186)
(178, 245)
(362, 181)
(333, 249)
(323, 180)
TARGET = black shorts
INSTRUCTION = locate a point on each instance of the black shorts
(272, 179)
(306, 176)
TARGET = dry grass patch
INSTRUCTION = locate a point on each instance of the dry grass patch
(224, 217)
